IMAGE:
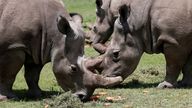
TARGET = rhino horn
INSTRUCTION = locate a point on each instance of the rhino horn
(100, 80)
(93, 62)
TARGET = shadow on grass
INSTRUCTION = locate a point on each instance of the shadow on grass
(22, 95)
(135, 85)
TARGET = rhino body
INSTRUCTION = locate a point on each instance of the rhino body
(152, 26)
(106, 14)
(35, 32)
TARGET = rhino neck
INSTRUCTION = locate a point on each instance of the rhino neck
(51, 9)
(45, 47)
(108, 6)
(147, 37)
(140, 20)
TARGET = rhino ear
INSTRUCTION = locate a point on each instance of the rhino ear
(124, 12)
(77, 18)
(63, 25)
(99, 3)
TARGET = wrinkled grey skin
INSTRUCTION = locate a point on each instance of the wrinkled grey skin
(106, 14)
(35, 32)
(153, 26)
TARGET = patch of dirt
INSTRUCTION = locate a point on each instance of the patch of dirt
(103, 96)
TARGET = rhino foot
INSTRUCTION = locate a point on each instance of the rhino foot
(34, 94)
(165, 84)
(3, 98)
(13, 97)
(184, 84)
(8, 95)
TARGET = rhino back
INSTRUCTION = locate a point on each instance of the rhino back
(19, 20)
(173, 18)
(30, 24)
(173, 15)
(172, 22)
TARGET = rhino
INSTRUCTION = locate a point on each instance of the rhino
(35, 32)
(106, 14)
(152, 26)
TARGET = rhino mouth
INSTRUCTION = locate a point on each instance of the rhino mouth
(84, 95)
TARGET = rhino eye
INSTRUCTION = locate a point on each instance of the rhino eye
(129, 41)
(116, 55)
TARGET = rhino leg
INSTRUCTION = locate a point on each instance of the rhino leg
(32, 73)
(187, 74)
(175, 59)
(10, 64)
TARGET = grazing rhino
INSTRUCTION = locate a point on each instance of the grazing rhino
(35, 32)
(106, 14)
(152, 26)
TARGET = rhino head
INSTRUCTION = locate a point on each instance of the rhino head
(125, 50)
(106, 14)
(68, 61)
(103, 27)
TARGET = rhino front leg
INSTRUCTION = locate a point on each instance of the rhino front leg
(175, 59)
(187, 74)
(32, 73)
(10, 64)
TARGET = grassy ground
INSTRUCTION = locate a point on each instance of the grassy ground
(137, 91)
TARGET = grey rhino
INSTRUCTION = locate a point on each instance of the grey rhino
(152, 26)
(35, 32)
(106, 14)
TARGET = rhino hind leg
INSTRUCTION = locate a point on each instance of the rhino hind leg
(187, 74)
(10, 64)
(32, 73)
(174, 64)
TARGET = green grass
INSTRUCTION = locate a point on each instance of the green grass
(137, 91)
(87, 9)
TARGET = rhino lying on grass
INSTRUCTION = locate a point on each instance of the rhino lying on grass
(152, 26)
(35, 32)
(106, 14)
